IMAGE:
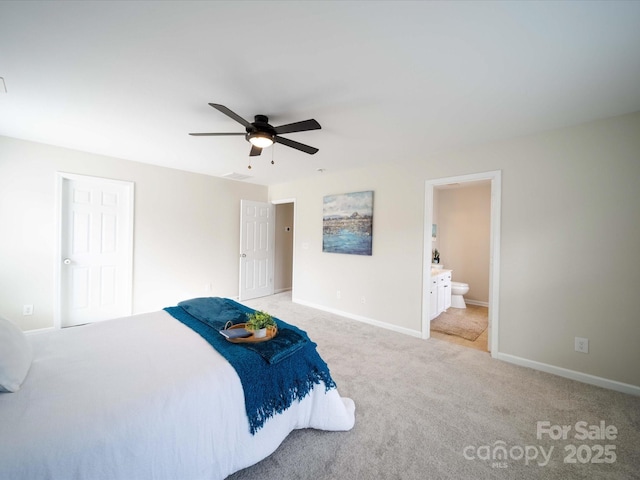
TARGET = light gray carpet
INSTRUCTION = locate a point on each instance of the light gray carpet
(420, 405)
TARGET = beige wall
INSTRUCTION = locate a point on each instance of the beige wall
(389, 280)
(464, 223)
(186, 232)
(569, 244)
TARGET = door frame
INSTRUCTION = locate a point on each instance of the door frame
(494, 250)
(57, 268)
(274, 246)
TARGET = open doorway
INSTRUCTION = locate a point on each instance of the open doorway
(266, 248)
(462, 223)
(284, 245)
(487, 289)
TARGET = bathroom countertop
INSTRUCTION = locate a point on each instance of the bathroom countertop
(437, 271)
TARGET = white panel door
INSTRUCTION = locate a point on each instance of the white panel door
(96, 232)
(257, 242)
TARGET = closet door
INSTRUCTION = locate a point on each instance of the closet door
(96, 245)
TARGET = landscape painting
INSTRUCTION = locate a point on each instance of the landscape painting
(347, 223)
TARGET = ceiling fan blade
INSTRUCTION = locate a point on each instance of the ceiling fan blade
(255, 151)
(229, 113)
(297, 145)
(298, 127)
(214, 134)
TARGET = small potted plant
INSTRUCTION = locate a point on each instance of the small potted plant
(258, 322)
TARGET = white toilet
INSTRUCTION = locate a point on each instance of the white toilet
(458, 289)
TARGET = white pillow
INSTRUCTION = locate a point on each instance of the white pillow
(15, 356)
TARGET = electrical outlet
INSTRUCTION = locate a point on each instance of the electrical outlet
(338, 294)
(27, 310)
(363, 300)
(582, 345)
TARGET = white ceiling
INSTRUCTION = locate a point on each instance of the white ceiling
(388, 81)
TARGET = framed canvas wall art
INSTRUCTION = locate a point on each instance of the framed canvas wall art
(347, 223)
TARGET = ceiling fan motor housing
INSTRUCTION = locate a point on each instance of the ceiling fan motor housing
(260, 129)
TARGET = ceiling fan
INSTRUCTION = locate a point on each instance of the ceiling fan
(262, 135)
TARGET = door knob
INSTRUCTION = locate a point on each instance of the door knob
(67, 261)
(243, 255)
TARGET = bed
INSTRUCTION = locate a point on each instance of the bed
(141, 397)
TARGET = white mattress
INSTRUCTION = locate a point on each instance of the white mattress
(141, 397)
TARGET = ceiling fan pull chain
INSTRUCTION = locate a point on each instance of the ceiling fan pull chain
(272, 154)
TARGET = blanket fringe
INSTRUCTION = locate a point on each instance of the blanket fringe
(283, 402)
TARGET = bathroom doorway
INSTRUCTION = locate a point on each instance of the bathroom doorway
(479, 267)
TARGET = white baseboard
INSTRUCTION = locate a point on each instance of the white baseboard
(39, 330)
(476, 302)
(360, 318)
(571, 374)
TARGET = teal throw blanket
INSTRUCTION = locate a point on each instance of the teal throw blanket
(273, 374)
(286, 343)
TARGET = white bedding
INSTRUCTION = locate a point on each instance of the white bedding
(141, 397)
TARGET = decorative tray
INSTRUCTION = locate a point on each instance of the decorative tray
(271, 332)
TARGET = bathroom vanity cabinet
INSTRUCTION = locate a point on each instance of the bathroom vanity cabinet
(440, 292)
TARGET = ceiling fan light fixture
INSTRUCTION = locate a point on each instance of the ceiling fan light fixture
(260, 139)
